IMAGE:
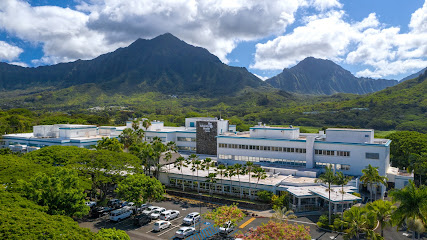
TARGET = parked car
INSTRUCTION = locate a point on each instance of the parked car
(191, 218)
(184, 232)
(226, 228)
(114, 203)
(160, 225)
(157, 212)
(120, 214)
(150, 210)
(141, 219)
(90, 204)
(100, 211)
(142, 207)
(169, 215)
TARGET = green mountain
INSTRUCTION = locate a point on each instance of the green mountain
(324, 77)
(164, 64)
(414, 75)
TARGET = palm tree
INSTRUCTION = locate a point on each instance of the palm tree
(249, 169)
(341, 179)
(192, 160)
(371, 177)
(207, 164)
(211, 179)
(383, 211)
(180, 163)
(238, 170)
(358, 220)
(221, 169)
(230, 172)
(259, 173)
(328, 177)
(412, 203)
(199, 166)
(416, 225)
(146, 124)
(281, 214)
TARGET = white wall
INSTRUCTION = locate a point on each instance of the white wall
(268, 132)
(350, 135)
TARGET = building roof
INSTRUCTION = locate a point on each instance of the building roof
(322, 191)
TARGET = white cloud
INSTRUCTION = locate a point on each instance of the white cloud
(9, 52)
(323, 5)
(261, 77)
(22, 64)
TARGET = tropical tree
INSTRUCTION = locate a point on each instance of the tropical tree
(180, 163)
(230, 172)
(211, 180)
(277, 230)
(221, 169)
(328, 177)
(139, 188)
(358, 220)
(127, 138)
(224, 214)
(249, 166)
(192, 160)
(146, 123)
(111, 144)
(238, 170)
(259, 173)
(198, 164)
(111, 234)
(416, 225)
(383, 211)
(282, 214)
(207, 164)
(412, 203)
(61, 192)
(371, 178)
(341, 179)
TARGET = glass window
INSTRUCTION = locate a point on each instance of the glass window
(372, 155)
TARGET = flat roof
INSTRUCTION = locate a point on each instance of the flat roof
(321, 191)
(351, 129)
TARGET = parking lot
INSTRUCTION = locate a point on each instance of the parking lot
(205, 228)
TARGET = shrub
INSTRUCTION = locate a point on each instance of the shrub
(280, 201)
(264, 196)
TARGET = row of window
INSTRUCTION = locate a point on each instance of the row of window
(186, 148)
(262, 159)
(262, 148)
(372, 155)
(332, 153)
(343, 167)
(186, 139)
(213, 187)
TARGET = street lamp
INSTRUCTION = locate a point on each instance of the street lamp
(200, 205)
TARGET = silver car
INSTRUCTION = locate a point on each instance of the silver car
(184, 232)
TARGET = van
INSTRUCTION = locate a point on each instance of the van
(120, 214)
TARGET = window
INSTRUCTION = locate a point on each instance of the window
(366, 135)
(372, 155)
(343, 153)
(185, 139)
(192, 124)
(345, 167)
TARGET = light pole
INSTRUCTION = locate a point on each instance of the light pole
(200, 206)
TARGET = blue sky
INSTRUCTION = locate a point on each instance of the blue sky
(378, 39)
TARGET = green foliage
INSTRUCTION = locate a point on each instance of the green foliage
(111, 144)
(357, 221)
(14, 168)
(57, 155)
(111, 234)
(224, 214)
(61, 191)
(323, 222)
(372, 178)
(140, 188)
(265, 196)
(23, 219)
(280, 201)
(404, 144)
(383, 211)
(277, 230)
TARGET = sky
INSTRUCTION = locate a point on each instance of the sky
(377, 39)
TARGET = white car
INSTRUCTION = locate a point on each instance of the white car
(160, 225)
(90, 204)
(150, 210)
(191, 218)
(184, 232)
(156, 213)
(226, 228)
(169, 215)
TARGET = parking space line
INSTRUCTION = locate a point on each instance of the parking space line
(247, 222)
(168, 230)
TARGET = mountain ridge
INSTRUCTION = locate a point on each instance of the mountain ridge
(324, 77)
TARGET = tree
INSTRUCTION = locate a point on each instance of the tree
(192, 160)
(62, 192)
(207, 164)
(230, 172)
(277, 230)
(383, 211)
(328, 177)
(281, 214)
(23, 219)
(358, 220)
(259, 173)
(224, 214)
(405, 143)
(341, 179)
(418, 165)
(127, 138)
(221, 169)
(199, 166)
(111, 144)
(112, 234)
(416, 225)
(238, 170)
(371, 177)
(140, 188)
(211, 180)
(412, 203)
(249, 166)
(180, 163)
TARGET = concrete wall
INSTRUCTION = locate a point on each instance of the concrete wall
(350, 135)
(206, 132)
(267, 132)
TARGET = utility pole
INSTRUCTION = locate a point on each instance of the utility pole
(200, 206)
